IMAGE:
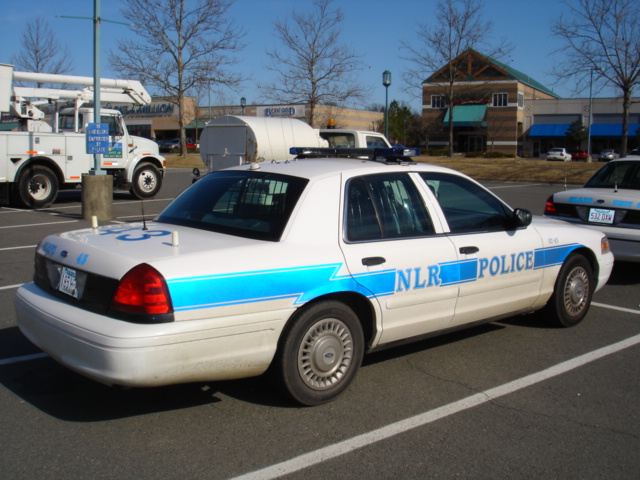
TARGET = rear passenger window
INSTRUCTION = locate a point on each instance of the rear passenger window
(466, 206)
(385, 206)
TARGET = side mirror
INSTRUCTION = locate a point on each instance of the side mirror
(196, 174)
(521, 218)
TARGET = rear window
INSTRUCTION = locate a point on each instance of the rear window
(243, 203)
(624, 175)
(339, 139)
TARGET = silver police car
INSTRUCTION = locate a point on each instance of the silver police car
(608, 202)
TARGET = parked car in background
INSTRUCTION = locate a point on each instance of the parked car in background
(559, 154)
(608, 202)
(169, 145)
(174, 144)
(579, 154)
(607, 155)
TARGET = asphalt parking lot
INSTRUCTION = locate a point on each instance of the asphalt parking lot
(511, 399)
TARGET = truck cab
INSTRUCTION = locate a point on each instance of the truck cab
(342, 138)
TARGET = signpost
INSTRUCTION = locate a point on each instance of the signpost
(97, 138)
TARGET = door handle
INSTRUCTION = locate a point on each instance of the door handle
(371, 261)
(469, 250)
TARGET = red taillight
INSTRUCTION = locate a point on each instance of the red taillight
(550, 207)
(142, 291)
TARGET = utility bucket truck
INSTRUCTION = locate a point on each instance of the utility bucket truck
(38, 158)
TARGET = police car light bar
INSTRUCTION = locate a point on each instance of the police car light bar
(388, 154)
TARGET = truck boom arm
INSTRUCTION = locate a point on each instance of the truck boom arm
(14, 98)
(132, 90)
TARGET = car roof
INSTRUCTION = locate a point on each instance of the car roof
(632, 158)
(312, 168)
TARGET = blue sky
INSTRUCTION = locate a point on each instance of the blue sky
(373, 28)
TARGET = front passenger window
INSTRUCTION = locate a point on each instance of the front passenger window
(467, 207)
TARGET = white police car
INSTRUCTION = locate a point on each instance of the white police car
(300, 267)
(608, 202)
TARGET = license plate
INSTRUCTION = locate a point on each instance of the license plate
(600, 215)
(68, 282)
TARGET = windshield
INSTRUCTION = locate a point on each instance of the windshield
(243, 203)
(339, 139)
(624, 175)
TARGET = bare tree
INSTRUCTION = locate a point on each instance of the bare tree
(313, 66)
(601, 40)
(183, 44)
(458, 27)
(40, 51)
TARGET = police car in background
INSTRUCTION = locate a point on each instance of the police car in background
(301, 267)
(608, 202)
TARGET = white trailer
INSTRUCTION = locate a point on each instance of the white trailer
(233, 140)
(39, 158)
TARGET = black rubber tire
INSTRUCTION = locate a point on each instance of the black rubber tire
(146, 182)
(320, 353)
(572, 293)
(37, 187)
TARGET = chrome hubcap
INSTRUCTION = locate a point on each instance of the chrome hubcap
(576, 291)
(39, 187)
(325, 354)
(147, 180)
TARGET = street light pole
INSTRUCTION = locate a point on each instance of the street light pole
(386, 81)
(590, 115)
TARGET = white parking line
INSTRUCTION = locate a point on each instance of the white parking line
(38, 224)
(341, 448)
(516, 186)
(17, 248)
(620, 309)
(9, 287)
(55, 208)
(24, 358)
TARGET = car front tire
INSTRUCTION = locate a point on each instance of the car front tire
(572, 294)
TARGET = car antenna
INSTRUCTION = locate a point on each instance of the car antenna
(144, 221)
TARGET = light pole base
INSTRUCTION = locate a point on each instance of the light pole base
(97, 197)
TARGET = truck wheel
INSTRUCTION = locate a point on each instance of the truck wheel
(572, 293)
(146, 181)
(320, 353)
(36, 188)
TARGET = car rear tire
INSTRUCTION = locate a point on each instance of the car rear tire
(320, 353)
(147, 181)
(572, 293)
(37, 187)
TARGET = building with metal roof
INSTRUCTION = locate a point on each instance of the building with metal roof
(496, 108)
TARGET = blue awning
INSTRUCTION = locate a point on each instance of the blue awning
(549, 130)
(467, 116)
(612, 129)
(597, 129)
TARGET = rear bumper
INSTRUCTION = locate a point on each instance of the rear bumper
(116, 352)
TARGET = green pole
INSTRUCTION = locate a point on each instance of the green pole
(97, 158)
